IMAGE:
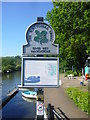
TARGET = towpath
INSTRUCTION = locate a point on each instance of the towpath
(58, 98)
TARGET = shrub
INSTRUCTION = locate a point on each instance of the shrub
(75, 73)
(71, 72)
(68, 72)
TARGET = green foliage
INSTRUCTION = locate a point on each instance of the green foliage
(80, 98)
(68, 72)
(18, 67)
(75, 73)
(71, 24)
(11, 64)
(8, 68)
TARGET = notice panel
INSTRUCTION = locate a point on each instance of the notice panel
(40, 72)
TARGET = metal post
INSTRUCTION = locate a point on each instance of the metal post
(50, 112)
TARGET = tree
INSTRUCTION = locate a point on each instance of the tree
(11, 64)
(71, 24)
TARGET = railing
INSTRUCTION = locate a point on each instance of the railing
(52, 113)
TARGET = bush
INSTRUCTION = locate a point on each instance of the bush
(75, 73)
(80, 98)
(68, 72)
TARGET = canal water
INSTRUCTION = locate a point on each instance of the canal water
(18, 107)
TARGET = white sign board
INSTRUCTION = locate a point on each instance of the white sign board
(40, 72)
(40, 108)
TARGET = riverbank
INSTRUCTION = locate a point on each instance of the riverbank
(9, 96)
(9, 82)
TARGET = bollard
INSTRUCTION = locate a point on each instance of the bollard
(50, 112)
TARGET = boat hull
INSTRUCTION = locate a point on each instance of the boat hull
(33, 96)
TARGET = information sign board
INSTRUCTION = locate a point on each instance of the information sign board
(40, 72)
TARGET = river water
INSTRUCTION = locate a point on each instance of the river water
(17, 107)
(9, 82)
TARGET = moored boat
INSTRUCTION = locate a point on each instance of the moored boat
(29, 94)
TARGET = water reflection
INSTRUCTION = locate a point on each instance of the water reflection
(29, 100)
(10, 81)
(19, 108)
(10, 76)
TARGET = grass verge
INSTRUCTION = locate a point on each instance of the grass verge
(80, 98)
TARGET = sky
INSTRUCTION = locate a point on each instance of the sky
(16, 18)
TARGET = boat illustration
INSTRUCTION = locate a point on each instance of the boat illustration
(32, 79)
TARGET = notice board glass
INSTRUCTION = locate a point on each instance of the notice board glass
(40, 72)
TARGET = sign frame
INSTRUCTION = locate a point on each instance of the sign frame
(39, 58)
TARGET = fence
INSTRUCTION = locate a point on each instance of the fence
(56, 112)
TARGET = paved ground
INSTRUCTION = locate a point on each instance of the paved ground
(75, 82)
(59, 98)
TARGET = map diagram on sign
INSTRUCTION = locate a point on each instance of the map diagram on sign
(40, 72)
(51, 69)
